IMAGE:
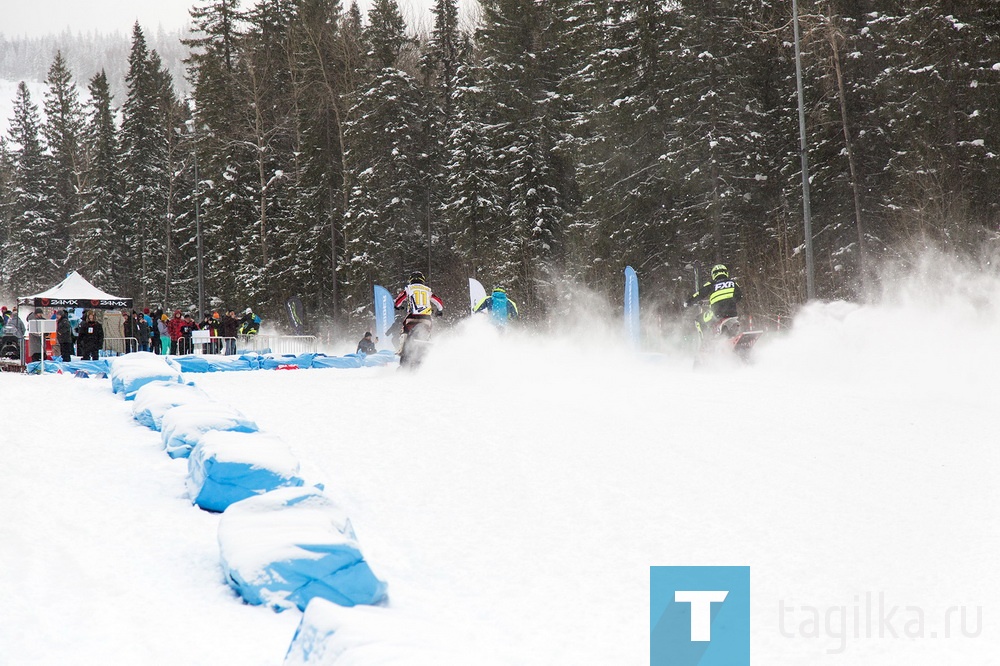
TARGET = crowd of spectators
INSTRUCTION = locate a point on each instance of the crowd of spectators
(151, 330)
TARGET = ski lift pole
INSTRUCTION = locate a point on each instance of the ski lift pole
(804, 153)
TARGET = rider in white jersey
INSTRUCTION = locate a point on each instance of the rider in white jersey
(419, 300)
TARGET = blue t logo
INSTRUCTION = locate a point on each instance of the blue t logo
(699, 616)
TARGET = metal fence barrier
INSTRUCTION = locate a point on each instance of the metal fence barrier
(119, 346)
(277, 344)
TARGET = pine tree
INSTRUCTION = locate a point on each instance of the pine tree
(385, 232)
(326, 58)
(474, 201)
(519, 75)
(145, 175)
(225, 153)
(7, 191)
(385, 35)
(33, 256)
(62, 130)
(95, 249)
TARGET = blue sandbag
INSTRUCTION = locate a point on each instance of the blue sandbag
(288, 546)
(76, 368)
(381, 357)
(183, 425)
(348, 361)
(233, 363)
(131, 372)
(226, 467)
(302, 361)
(155, 399)
(193, 363)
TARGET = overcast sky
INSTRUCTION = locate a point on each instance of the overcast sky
(44, 17)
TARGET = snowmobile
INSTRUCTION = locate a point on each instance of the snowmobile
(415, 344)
(718, 337)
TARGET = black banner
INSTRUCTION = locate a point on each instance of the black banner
(87, 303)
(296, 314)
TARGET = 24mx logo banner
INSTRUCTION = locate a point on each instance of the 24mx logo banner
(699, 616)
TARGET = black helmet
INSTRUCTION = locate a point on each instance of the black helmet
(416, 277)
(719, 271)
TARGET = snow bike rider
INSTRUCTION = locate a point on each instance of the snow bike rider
(722, 294)
(500, 305)
(420, 302)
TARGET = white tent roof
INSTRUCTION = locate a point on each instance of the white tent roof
(75, 291)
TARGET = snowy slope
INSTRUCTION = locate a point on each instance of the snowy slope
(515, 492)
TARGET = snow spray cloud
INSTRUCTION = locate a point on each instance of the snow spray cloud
(935, 317)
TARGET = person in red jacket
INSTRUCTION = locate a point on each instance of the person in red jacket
(175, 329)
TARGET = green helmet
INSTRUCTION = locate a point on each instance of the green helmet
(719, 271)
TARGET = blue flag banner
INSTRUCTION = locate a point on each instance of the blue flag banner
(632, 305)
(385, 315)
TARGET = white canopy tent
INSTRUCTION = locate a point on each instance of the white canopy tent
(76, 292)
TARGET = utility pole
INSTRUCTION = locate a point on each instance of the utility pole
(804, 153)
(197, 229)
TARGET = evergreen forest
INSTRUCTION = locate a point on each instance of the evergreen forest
(315, 151)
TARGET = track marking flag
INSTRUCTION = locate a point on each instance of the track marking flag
(385, 315)
(632, 305)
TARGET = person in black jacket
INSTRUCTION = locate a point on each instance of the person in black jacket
(722, 294)
(90, 339)
(230, 328)
(64, 335)
(365, 345)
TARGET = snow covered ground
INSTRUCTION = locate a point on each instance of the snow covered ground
(515, 491)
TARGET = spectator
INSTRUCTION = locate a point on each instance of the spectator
(14, 326)
(64, 334)
(129, 332)
(187, 327)
(35, 340)
(174, 327)
(230, 328)
(146, 331)
(214, 328)
(91, 337)
(163, 335)
(365, 345)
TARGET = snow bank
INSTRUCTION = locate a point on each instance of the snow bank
(226, 467)
(131, 372)
(330, 635)
(183, 425)
(290, 545)
(156, 398)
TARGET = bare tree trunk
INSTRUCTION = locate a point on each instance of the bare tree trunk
(834, 35)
